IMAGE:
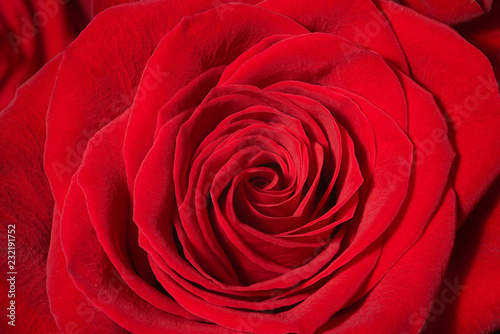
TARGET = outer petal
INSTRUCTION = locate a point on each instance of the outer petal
(463, 83)
(83, 102)
(93, 229)
(415, 276)
(97, 6)
(471, 291)
(26, 201)
(450, 11)
(62, 292)
(358, 21)
(184, 54)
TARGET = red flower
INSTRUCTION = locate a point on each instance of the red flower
(270, 168)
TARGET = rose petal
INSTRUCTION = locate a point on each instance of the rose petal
(97, 6)
(74, 117)
(26, 200)
(81, 106)
(327, 65)
(384, 171)
(463, 83)
(61, 291)
(450, 11)
(470, 291)
(108, 205)
(102, 284)
(183, 55)
(433, 161)
(402, 300)
(359, 21)
(32, 32)
(484, 34)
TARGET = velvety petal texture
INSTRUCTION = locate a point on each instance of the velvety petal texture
(26, 201)
(260, 167)
(470, 287)
(450, 11)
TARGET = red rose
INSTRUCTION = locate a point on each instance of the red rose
(271, 168)
(33, 32)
